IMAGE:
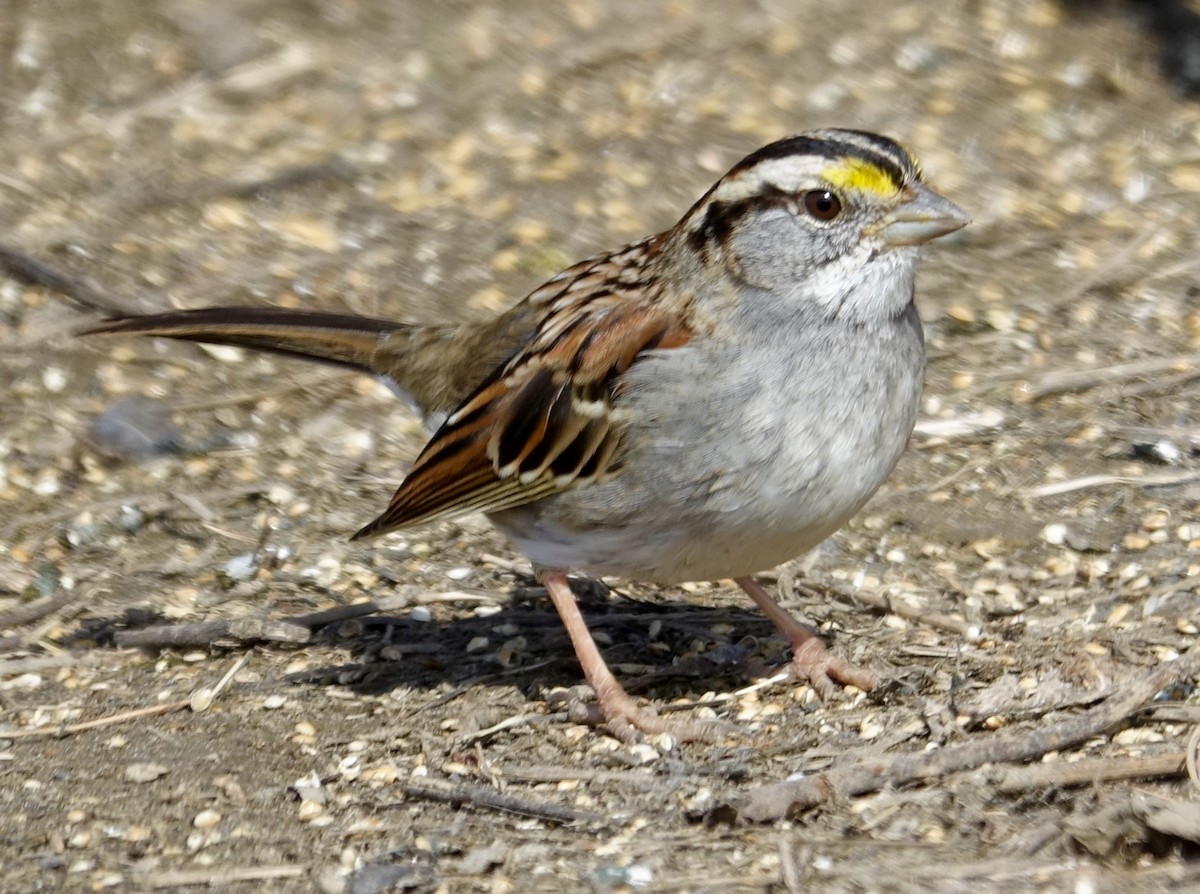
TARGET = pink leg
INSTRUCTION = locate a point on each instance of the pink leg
(616, 711)
(810, 659)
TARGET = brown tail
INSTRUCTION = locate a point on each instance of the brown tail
(341, 339)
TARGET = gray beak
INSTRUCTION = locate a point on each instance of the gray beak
(924, 217)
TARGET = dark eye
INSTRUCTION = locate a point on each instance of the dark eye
(822, 204)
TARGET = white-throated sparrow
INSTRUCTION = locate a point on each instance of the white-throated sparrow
(705, 403)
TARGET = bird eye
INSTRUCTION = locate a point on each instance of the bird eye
(821, 204)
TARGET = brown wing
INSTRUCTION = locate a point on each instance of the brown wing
(545, 420)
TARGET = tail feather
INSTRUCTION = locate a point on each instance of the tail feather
(340, 339)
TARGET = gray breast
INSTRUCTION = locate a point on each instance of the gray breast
(738, 456)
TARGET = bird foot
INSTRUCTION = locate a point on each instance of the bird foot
(631, 724)
(811, 661)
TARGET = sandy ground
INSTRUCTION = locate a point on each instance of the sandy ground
(1026, 582)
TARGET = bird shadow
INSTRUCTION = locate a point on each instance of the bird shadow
(662, 648)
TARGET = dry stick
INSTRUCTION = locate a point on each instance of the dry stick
(1064, 380)
(17, 185)
(332, 168)
(1085, 772)
(509, 723)
(200, 700)
(788, 867)
(151, 503)
(1193, 746)
(250, 77)
(240, 631)
(1159, 479)
(220, 878)
(490, 799)
(544, 773)
(55, 731)
(203, 697)
(34, 611)
(1165, 385)
(1107, 271)
(11, 667)
(29, 269)
(772, 802)
(911, 612)
(471, 684)
(317, 620)
(303, 384)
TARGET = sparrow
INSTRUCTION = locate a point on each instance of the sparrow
(705, 403)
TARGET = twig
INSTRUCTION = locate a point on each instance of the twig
(200, 699)
(71, 729)
(1161, 385)
(301, 384)
(238, 631)
(1062, 381)
(969, 425)
(1086, 772)
(516, 566)
(317, 620)
(333, 168)
(30, 270)
(789, 870)
(455, 596)
(150, 503)
(1121, 257)
(510, 723)
(220, 878)
(17, 185)
(1163, 479)
(1193, 746)
(203, 697)
(33, 664)
(777, 800)
(910, 612)
(541, 773)
(33, 611)
(249, 77)
(490, 799)
(471, 684)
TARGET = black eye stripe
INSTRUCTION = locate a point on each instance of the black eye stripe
(722, 218)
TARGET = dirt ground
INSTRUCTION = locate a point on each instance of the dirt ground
(1026, 582)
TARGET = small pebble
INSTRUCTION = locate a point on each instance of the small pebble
(638, 875)
(80, 839)
(54, 379)
(1137, 735)
(241, 567)
(206, 819)
(1055, 534)
(644, 753)
(145, 772)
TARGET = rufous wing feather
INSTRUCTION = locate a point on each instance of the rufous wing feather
(543, 423)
